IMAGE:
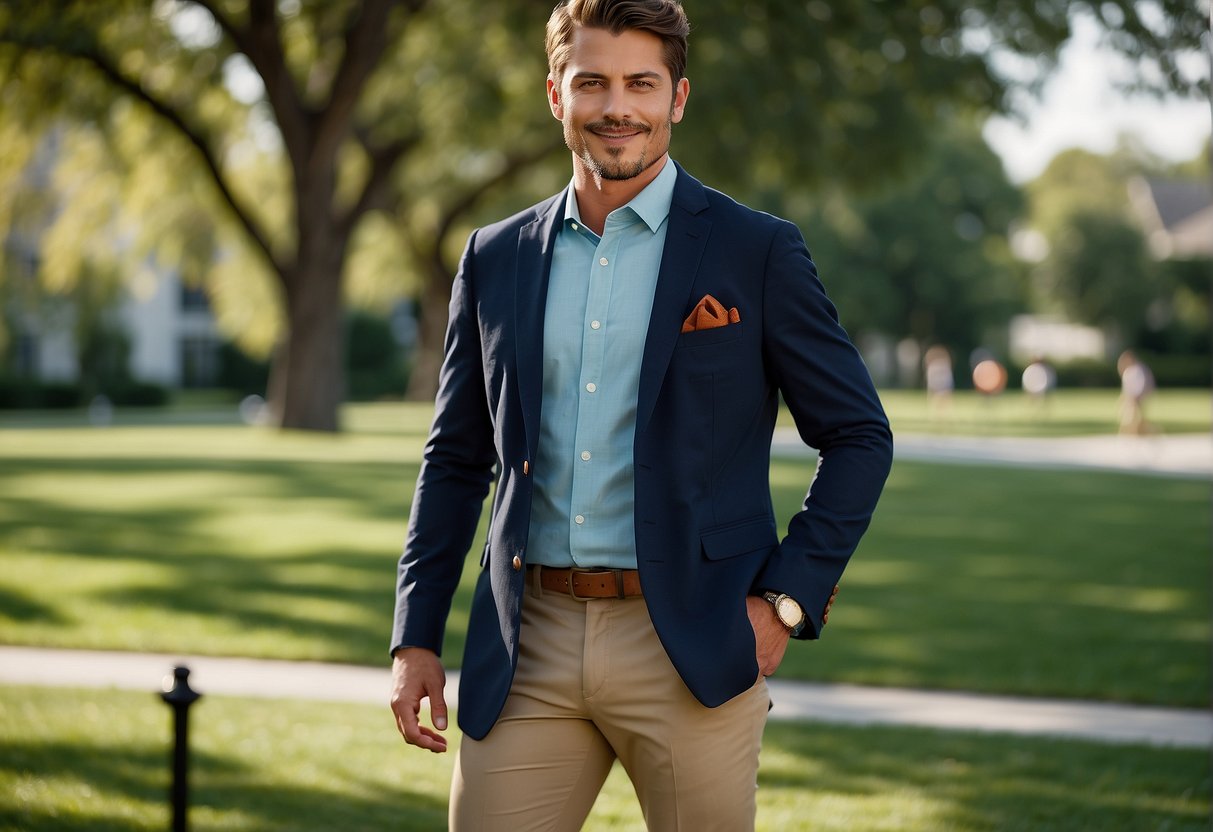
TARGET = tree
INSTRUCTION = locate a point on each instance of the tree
(1103, 274)
(925, 258)
(1098, 269)
(433, 115)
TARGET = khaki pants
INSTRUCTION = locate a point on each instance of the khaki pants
(594, 684)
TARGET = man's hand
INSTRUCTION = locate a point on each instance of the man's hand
(416, 674)
(770, 636)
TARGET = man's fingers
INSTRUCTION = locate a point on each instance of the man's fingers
(438, 709)
(417, 674)
(415, 733)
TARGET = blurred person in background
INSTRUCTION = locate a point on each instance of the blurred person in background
(1136, 384)
(937, 369)
(1039, 380)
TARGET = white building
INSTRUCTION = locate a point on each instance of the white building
(170, 329)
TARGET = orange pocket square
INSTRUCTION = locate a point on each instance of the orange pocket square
(710, 313)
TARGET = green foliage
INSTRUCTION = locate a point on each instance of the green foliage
(800, 93)
(379, 146)
(1171, 369)
(1099, 269)
(1103, 273)
(376, 361)
(19, 393)
(1184, 309)
(924, 257)
(240, 372)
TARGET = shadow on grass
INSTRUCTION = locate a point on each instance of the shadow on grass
(135, 782)
(187, 557)
(1018, 581)
(992, 782)
(17, 606)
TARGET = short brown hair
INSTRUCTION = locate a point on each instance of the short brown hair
(663, 18)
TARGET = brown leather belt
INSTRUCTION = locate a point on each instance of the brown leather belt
(595, 583)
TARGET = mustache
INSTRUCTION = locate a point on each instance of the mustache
(612, 124)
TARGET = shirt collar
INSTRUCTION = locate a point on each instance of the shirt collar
(652, 204)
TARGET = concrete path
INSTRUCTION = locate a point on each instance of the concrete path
(846, 704)
(1188, 455)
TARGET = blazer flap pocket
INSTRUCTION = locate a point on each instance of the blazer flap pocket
(739, 538)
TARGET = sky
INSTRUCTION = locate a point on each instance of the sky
(1081, 107)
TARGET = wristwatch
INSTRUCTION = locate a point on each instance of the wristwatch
(787, 610)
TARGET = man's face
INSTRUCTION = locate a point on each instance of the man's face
(617, 102)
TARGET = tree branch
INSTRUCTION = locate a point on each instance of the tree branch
(365, 42)
(514, 164)
(260, 43)
(377, 192)
(102, 62)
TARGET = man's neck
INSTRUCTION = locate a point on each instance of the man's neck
(597, 197)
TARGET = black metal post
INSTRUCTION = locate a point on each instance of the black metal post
(180, 696)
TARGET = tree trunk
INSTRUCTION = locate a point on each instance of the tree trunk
(434, 308)
(307, 377)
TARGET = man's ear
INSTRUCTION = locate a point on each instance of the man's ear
(554, 99)
(682, 91)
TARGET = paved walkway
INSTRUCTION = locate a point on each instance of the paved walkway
(848, 704)
(1188, 455)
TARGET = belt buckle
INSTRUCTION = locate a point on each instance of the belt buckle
(618, 573)
(573, 571)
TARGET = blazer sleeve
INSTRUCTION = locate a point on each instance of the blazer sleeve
(830, 394)
(456, 471)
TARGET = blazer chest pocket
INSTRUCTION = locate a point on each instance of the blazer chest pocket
(739, 538)
(708, 337)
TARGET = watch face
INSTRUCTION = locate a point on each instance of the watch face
(789, 612)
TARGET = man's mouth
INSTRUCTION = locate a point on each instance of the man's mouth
(616, 132)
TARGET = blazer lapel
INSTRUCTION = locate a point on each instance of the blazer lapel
(685, 239)
(533, 265)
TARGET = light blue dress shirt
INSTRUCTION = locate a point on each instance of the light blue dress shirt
(600, 294)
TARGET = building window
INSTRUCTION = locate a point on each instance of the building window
(194, 298)
(25, 355)
(199, 361)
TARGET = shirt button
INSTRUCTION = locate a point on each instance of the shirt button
(602, 261)
(526, 467)
(576, 227)
(579, 519)
(585, 455)
(591, 387)
(517, 563)
(595, 324)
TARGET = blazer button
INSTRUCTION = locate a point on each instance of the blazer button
(526, 467)
(517, 563)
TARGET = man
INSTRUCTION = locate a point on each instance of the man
(617, 354)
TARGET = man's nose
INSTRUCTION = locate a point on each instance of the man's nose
(617, 106)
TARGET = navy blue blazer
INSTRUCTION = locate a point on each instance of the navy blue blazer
(705, 528)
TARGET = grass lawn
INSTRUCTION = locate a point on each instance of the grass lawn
(231, 540)
(98, 761)
(1065, 413)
